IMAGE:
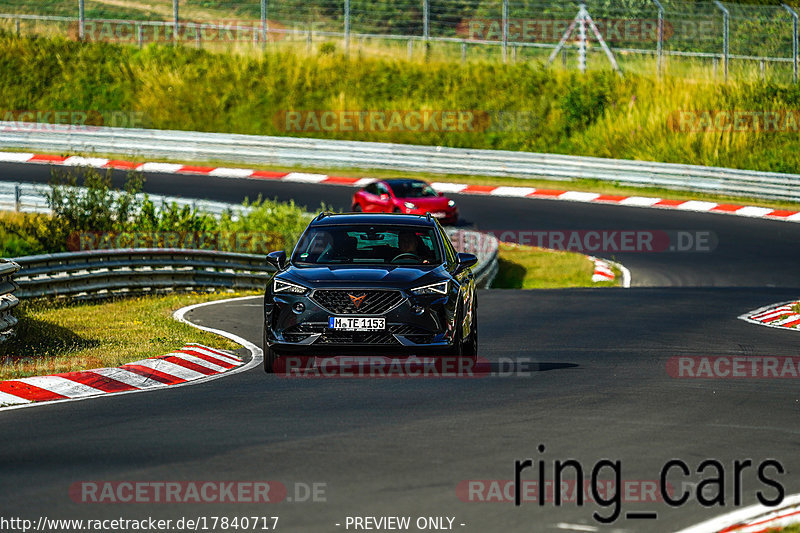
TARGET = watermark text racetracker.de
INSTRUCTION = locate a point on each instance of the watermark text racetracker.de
(596, 241)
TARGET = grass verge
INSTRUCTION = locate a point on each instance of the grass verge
(55, 337)
(528, 267)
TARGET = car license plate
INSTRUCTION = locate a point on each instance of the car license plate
(439, 215)
(351, 323)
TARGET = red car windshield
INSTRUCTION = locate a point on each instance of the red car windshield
(413, 189)
(334, 245)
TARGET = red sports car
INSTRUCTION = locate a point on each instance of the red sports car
(413, 197)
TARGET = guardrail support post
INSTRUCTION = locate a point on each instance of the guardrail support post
(17, 25)
(82, 20)
(725, 36)
(410, 48)
(463, 52)
(263, 23)
(17, 198)
(505, 31)
(795, 65)
(347, 27)
(140, 35)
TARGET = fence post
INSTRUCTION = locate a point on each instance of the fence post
(793, 13)
(81, 20)
(660, 42)
(582, 39)
(17, 198)
(17, 24)
(410, 49)
(346, 27)
(263, 23)
(505, 31)
(725, 36)
(463, 52)
(175, 19)
(426, 20)
(564, 57)
(140, 35)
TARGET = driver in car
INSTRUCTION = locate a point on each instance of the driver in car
(408, 244)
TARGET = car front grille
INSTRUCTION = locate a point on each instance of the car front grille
(356, 337)
(341, 302)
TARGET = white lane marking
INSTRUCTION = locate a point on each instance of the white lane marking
(753, 211)
(794, 218)
(202, 362)
(62, 386)
(77, 161)
(15, 157)
(10, 399)
(640, 201)
(512, 191)
(166, 168)
(697, 205)
(448, 187)
(743, 516)
(577, 196)
(223, 172)
(576, 527)
(302, 177)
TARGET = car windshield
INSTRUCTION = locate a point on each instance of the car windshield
(342, 245)
(412, 189)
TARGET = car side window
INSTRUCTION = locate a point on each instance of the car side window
(372, 188)
(449, 251)
(382, 189)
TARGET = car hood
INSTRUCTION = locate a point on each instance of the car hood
(368, 276)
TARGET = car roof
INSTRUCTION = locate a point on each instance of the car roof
(389, 219)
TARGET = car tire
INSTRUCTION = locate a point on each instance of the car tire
(270, 355)
(397, 210)
(470, 348)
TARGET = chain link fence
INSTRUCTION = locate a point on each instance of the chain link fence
(664, 36)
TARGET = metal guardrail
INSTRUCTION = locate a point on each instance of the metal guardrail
(197, 146)
(105, 273)
(32, 198)
(7, 300)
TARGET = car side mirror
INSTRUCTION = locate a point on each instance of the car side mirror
(277, 259)
(441, 194)
(464, 261)
(384, 196)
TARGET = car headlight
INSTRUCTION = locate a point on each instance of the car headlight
(284, 286)
(451, 203)
(409, 205)
(435, 288)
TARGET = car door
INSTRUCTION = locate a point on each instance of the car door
(383, 201)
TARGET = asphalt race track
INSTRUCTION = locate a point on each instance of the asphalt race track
(582, 372)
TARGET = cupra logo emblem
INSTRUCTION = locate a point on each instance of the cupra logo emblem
(357, 300)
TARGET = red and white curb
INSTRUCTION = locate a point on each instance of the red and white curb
(192, 362)
(192, 365)
(602, 270)
(780, 315)
(753, 519)
(455, 188)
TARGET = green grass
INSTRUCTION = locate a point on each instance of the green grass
(58, 336)
(595, 114)
(528, 267)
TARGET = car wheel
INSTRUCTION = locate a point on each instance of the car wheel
(270, 355)
(397, 210)
(471, 345)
